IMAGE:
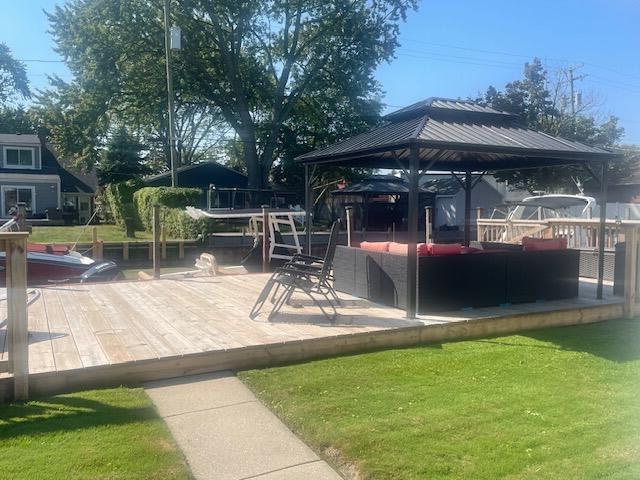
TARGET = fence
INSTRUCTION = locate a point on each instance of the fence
(580, 233)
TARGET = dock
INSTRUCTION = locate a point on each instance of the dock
(128, 332)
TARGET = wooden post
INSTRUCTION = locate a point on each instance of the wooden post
(95, 248)
(349, 211)
(427, 224)
(180, 249)
(156, 241)
(468, 186)
(125, 250)
(265, 238)
(17, 320)
(150, 245)
(163, 234)
(631, 271)
(478, 230)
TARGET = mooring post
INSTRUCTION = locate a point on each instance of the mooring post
(265, 238)
(156, 241)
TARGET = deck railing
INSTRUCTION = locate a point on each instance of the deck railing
(580, 233)
(14, 244)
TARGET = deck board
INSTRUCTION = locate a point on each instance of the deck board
(181, 323)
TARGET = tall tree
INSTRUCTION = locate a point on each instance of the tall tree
(253, 60)
(538, 103)
(13, 76)
(121, 160)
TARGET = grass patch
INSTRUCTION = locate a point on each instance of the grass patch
(70, 234)
(556, 403)
(100, 434)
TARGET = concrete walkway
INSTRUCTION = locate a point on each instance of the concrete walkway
(227, 434)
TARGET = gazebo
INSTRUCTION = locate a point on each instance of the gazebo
(465, 138)
(361, 194)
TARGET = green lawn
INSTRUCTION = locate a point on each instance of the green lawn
(101, 434)
(107, 233)
(558, 403)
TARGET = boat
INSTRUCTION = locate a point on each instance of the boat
(543, 207)
(47, 263)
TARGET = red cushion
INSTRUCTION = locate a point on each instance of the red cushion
(445, 248)
(538, 244)
(402, 248)
(375, 246)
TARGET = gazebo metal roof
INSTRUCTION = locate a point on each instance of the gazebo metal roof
(458, 135)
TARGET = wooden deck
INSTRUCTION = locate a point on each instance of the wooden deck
(128, 332)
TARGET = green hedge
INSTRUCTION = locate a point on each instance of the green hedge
(176, 222)
(119, 197)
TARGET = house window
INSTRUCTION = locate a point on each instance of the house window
(18, 157)
(12, 195)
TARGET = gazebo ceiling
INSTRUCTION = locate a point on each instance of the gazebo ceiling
(459, 135)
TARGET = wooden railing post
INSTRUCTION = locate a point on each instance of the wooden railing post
(265, 238)
(349, 211)
(156, 241)
(15, 246)
(479, 232)
(427, 224)
(631, 271)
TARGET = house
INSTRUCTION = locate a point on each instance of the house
(30, 173)
(222, 187)
(448, 211)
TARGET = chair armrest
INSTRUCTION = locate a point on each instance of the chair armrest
(305, 257)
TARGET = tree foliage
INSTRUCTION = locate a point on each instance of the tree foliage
(16, 120)
(539, 104)
(253, 62)
(121, 161)
(13, 76)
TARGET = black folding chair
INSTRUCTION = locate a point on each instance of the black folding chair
(307, 273)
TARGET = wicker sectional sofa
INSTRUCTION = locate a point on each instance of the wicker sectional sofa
(451, 282)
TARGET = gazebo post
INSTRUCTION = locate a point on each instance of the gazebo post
(412, 231)
(468, 186)
(603, 222)
(308, 205)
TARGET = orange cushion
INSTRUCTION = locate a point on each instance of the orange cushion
(375, 246)
(445, 248)
(538, 244)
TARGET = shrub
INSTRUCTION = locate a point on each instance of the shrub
(119, 199)
(175, 220)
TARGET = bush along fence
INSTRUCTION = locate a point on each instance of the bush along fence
(131, 205)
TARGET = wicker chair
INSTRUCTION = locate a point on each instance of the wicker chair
(307, 273)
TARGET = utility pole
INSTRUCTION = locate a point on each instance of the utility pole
(572, 79)
(172, 132)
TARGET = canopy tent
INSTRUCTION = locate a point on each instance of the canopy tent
(457, 136)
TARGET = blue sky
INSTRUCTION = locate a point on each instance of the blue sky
(455, 48)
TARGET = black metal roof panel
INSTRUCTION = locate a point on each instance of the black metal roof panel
(437, 106)
(201, 175)
(474, 136)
